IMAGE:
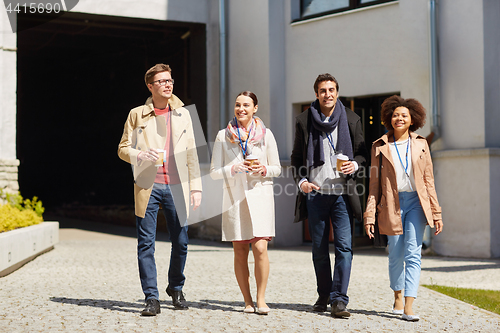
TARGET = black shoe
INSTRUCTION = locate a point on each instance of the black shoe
(339, 310)
(152, 308)
(178, 299)
(321, 304)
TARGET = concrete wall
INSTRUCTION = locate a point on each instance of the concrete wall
(8, 81)
(470, 81)
(461, 49)
(248, 53)
(464, 198)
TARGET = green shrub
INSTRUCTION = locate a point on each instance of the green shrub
(19, 212)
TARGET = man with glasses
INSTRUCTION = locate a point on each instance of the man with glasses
(152, 134)
(325, 133)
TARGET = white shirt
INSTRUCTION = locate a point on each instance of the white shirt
(405, 180)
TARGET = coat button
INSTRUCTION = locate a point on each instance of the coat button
(140, 131)
(184, 131)
(139, 148)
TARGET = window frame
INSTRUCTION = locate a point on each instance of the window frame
(353, 4)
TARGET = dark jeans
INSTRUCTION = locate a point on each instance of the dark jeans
(321, 209)
(146, 236)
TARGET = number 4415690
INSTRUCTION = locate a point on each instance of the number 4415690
(34, 8)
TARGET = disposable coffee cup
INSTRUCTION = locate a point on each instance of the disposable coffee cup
(252, 159)
(341, 159)
(161, 157)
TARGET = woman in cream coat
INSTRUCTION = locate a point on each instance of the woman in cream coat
(248, 198)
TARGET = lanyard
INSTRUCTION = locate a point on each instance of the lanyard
(329, 136)
(243, 150)
(400, 160)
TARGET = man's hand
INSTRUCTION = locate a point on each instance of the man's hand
(348, 168)
(195, 199)
(307, 187)
(148, 155)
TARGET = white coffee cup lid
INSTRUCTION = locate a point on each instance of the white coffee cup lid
(251, 157)
(342, 157)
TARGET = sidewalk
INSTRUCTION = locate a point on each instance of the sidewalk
(90, 283)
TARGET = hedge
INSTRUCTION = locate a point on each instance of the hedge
(19, 212)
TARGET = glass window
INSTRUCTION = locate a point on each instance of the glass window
(312, 7)
(316, 8)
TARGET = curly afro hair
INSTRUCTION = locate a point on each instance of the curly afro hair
(417, 111)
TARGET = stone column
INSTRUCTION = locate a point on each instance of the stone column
(467, 156)
(8, 82)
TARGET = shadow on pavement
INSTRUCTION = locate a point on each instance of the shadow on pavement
(463, 268)
(101, 303)
(238, 306)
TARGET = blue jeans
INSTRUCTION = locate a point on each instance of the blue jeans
(405, 250)
(321, 209)
(146, 237)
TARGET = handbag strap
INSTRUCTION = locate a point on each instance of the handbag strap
(379, 177)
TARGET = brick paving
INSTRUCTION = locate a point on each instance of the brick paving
(90, 283)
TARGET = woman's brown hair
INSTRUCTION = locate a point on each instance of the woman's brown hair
(250, 94)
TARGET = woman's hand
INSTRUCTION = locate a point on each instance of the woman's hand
(370, 230)
(239, 168)
(439, 227)
(256, 168)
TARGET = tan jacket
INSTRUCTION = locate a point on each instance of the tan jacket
(389, 215)
(143, 130)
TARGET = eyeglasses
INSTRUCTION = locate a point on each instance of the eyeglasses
(163, 82)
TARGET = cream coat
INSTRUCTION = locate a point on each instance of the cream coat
(143, 130)
(389, 215)
(248, 200)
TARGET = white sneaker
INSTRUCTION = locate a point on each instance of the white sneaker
(410, 317)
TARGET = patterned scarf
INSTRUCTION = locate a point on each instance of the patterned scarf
(257, 131)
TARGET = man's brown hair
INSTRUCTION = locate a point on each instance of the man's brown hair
(324, 77)
(158, 68)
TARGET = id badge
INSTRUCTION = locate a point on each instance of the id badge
(333, 160)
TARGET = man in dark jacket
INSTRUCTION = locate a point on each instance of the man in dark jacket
(324, 132)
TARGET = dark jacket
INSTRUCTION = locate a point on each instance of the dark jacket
(299, 163)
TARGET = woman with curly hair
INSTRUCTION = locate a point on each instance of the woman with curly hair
(404, 197)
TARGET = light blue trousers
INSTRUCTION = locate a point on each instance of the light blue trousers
(405, 250)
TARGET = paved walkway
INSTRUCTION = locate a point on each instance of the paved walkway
(90, 283)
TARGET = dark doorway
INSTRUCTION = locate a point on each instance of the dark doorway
(368, 108)
(78, 77)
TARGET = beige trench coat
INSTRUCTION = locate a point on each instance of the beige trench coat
(247, 200)
(389, 215)
(143, 130)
